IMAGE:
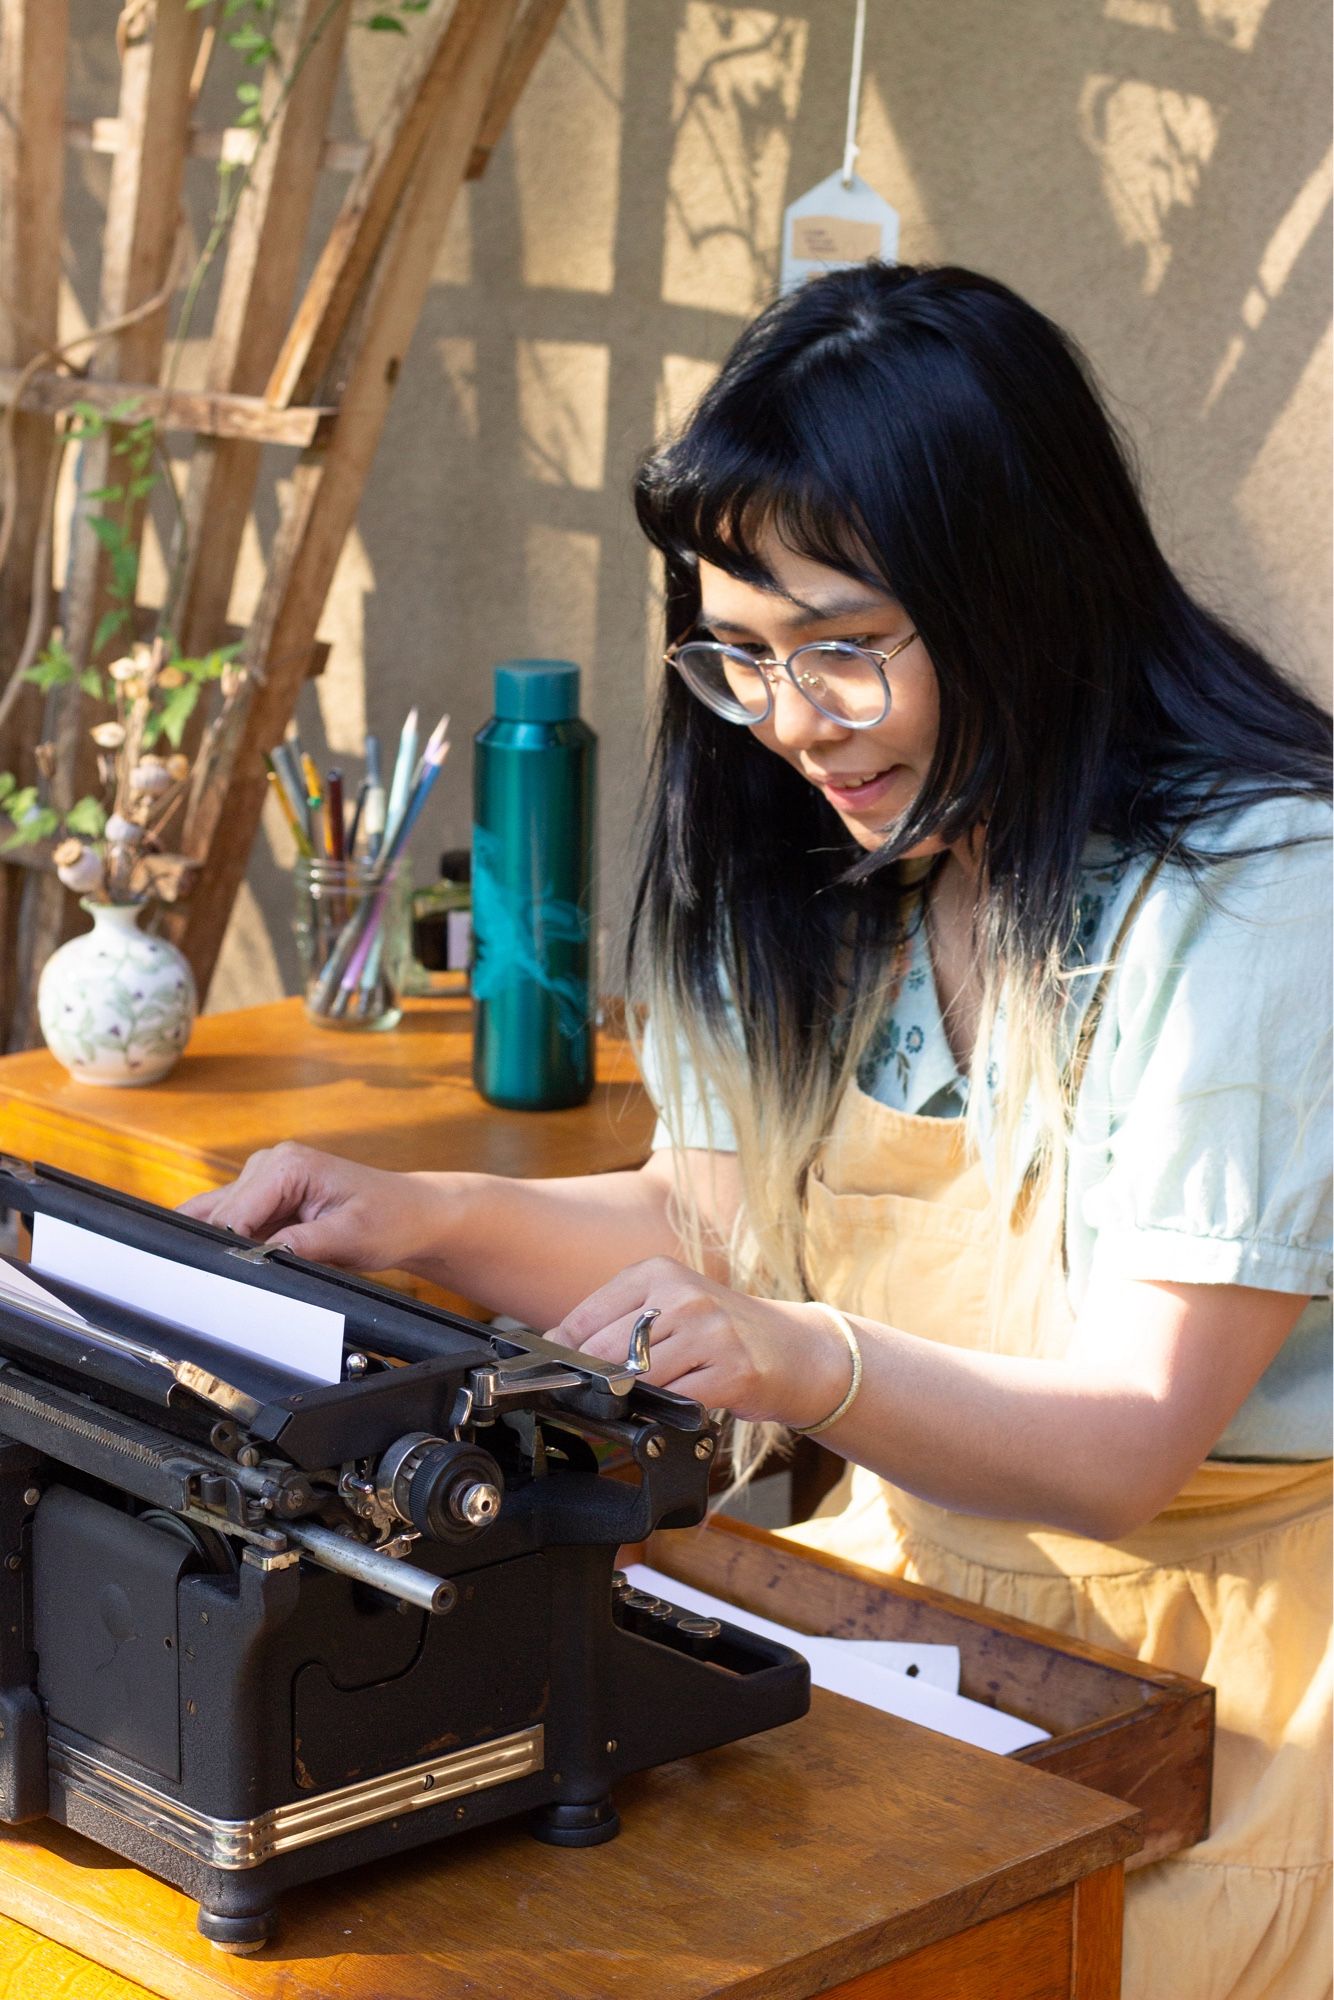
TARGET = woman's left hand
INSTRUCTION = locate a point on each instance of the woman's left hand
(763, 1359)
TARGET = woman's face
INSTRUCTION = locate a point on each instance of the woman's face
(869, 776)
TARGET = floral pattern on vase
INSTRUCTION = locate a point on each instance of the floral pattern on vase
(116, 1007)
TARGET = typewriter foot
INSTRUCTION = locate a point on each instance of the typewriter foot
(576, 1825)
(239, 1935)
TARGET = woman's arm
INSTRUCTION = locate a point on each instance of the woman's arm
(530, 1248)
(1096, 1443)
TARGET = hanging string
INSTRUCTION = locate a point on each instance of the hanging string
(850, 147)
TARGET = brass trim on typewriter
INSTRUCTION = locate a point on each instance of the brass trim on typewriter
(244, 1843)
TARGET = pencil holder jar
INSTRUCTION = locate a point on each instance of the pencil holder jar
(352, 936)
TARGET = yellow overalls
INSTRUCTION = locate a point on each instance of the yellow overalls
(1231, 1584)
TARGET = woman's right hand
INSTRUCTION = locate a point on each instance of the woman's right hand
(329, 1210)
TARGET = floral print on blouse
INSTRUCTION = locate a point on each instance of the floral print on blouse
(910, 1065)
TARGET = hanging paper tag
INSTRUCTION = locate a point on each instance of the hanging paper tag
(835, 225)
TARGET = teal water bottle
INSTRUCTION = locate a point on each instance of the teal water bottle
(532, 891)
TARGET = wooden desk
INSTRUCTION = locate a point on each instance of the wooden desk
(403, 1099)
(848, 1854)
(802, 1862)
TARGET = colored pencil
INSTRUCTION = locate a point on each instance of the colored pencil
(400, 784)
(290, 772)
(358, 808)
(298, 832)
(335, 835)
(349, 959)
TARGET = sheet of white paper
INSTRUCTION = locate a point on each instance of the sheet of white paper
(17, 1282)
(937, 1665)
(247, 1319)
(852, 1674)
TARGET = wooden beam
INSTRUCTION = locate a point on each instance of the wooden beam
(34, 37)
(203, 411)
(326, 490)
(139, 240)
(259, 282)
(526, 44)
(234, 144)
(423, 99)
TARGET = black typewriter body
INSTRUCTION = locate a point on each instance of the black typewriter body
(254, 1633)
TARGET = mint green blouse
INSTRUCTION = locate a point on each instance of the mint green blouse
(1201, 1148)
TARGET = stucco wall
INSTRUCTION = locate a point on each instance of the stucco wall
(1153, 173)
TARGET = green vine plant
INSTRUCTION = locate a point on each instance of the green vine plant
(109, 845)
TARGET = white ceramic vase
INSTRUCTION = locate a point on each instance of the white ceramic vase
(116, 1007)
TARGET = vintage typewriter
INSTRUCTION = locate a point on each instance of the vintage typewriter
(255, 1631)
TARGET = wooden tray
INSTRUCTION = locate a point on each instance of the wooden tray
(1133, 1731)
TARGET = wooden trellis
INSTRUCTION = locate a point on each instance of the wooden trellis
(318, 378)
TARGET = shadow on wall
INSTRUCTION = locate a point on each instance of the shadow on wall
(1155, 174)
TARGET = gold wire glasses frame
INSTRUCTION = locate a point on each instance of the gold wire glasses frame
(704, 664)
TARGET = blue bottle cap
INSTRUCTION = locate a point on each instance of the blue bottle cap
(537, 691)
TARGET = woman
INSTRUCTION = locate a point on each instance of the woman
(981, 936)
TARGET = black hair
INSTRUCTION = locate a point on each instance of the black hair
(929, 433)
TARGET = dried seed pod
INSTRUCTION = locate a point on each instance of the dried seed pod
(44, 756)
(150, 777)
(179, 767)
(171, 677)
(108, 735)
(122, 832)
(232, 681)
(79, 867)
(124, 669)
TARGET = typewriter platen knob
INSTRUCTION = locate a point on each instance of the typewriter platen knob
(446, 1488)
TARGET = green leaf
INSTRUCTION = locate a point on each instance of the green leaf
(252, 115)
(88, 817)
(21, 803)
(104, 493)
(248, 37)
(89, 413)
(386, 24)
(195, 6)
(37, 826)
(248, 93)
(124, 573)
(7, 784)
(122, 411)
(173, 715)
(109, 533)
(91, 683)
(108, 625)
(141, 488)
(52, 669)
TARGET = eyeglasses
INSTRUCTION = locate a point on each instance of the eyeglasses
(846, 683)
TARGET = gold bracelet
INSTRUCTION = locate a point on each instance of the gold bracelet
(854, 1349)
